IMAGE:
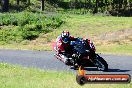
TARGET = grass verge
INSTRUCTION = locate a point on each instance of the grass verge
(92, 27)
(103, 49)
(18, 77)
(88, 26)
(115, 49)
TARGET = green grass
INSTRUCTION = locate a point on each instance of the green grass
(19, 77)
(87, 26)
(26, 47)
(17, 27)
(115, 49)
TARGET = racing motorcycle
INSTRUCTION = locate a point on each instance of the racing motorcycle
(83, 55)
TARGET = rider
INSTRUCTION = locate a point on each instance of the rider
(63, 46)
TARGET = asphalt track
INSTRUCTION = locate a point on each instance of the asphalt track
(45, 60)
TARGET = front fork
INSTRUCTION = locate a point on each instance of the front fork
(93, 57)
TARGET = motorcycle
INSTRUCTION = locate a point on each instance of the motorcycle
(83, 55)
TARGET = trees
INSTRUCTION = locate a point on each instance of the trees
(5, 4)
(93, 6)
(118, 7)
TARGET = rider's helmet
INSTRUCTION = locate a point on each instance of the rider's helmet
(65, 36)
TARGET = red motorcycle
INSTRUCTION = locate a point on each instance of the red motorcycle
(83, 55)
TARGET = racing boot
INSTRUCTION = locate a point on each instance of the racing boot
(66, 60)
(69, 61)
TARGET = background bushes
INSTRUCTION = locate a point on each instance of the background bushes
(26, 26)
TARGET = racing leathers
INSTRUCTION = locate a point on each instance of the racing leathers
(65, 49)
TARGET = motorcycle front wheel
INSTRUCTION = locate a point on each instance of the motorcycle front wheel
(100, 63)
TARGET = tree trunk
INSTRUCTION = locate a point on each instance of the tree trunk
(17, 2)
(96, 7)
(42, 5)
(5, 6)
(120, 4)
(28, 1)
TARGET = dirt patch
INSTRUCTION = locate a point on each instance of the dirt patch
(120, 37)
(107, 38)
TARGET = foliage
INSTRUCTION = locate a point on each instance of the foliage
(113, 7)
(26, 26)
(20, 77)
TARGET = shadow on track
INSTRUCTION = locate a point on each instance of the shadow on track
(88, 69)
(118, 70)
(109, 70)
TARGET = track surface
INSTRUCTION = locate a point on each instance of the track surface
(45, 60)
